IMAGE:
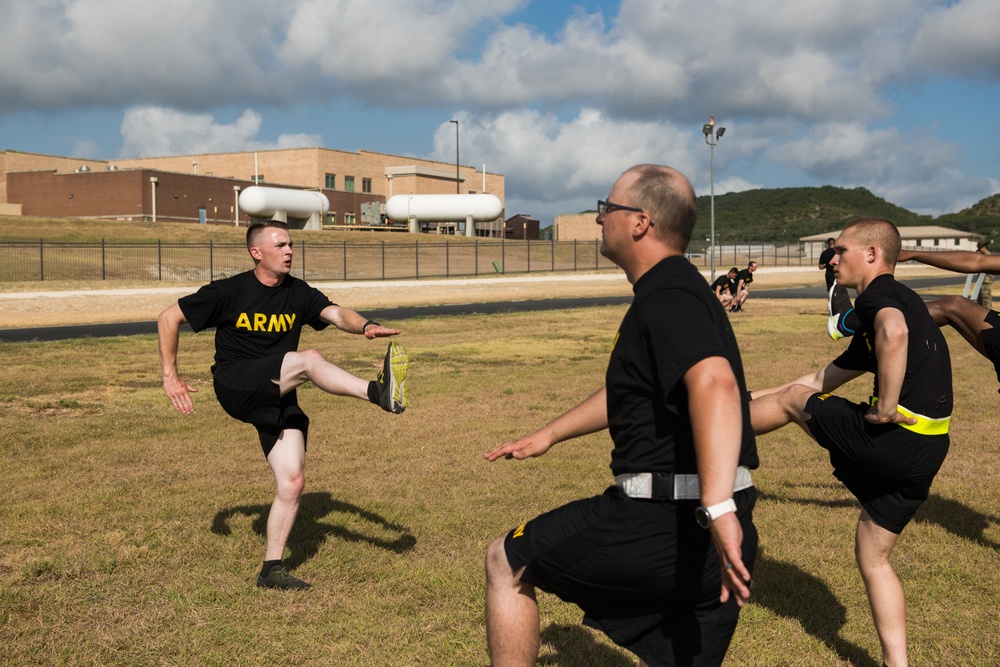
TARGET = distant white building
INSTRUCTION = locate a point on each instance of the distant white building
(928, 237)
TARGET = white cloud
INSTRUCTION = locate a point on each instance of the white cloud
(557, 167)
(149, 131)
(960, 38)
(807, 87)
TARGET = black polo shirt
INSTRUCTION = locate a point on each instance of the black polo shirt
(672, 324)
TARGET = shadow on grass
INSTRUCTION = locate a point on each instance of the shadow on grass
(789, 592)
(310, 532)
(576, 647)
(958, 519)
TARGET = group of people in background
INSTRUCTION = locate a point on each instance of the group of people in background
(733, 288)
(661, 561)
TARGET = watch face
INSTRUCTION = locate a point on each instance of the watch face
(703, 518)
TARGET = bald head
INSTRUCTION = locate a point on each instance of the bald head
(668, 198)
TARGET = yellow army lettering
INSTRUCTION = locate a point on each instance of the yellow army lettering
(279, 322)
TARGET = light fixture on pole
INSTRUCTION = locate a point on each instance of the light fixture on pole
(458, 189)
(712, 140)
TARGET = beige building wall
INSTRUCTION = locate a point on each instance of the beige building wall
(577, 227)
(308, 168)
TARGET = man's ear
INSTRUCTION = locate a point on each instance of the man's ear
(643, 225)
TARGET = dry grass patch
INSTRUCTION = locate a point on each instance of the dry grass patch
(131, 534)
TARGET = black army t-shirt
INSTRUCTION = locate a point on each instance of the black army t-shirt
(926, 386)
(673, 324)
(746, 276)
(253, 320)
(725, 283)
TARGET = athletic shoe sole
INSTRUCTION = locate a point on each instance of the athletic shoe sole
(392, 394)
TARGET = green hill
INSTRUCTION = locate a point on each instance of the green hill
(786, 214)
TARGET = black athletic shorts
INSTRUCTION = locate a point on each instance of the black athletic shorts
(643, 572)
(888, 468)
(991, 340)
(248, 391)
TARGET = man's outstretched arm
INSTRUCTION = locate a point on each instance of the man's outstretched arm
(589, 416)
(960, 261)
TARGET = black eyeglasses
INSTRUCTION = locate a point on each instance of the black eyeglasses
(605, 207)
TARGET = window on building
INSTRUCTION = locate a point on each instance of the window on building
(958, 242)
(937, 242)
(348, 218)
(918, 243)
(331, 218)
(348, 183)
(257, 179)
(366, 185)
(331, 181)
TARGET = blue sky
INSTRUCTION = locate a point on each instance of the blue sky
(898, 96)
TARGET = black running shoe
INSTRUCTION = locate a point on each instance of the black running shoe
(279, 578)
(840, 307)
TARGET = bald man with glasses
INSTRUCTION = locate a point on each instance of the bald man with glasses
(661, 561)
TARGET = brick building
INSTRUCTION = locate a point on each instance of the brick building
(205, 187)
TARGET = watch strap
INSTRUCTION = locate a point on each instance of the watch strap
(719, 509)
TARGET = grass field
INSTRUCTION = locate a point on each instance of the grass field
(130, 534)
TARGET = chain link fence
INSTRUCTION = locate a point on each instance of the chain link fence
(315, 261)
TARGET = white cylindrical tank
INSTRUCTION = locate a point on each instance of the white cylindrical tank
(443, 208)
(258, 200)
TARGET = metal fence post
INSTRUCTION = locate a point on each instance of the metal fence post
(447, 260)
(104, 268)
(41, 258)
(345, 260)
(383, 260)
(211, 261)
(159, 259)
(416, 257)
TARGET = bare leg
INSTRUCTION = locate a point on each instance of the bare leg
(787, 406)
(310, 365)
(873, 544)
(287, 460)
(512, 632)
(966, 317)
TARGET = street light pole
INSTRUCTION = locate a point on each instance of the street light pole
(458, 188)
(712, 141)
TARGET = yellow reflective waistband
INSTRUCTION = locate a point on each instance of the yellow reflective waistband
(925, 425)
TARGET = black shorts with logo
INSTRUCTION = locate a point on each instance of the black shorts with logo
(643, 572)
(888, 468)
(248, 391)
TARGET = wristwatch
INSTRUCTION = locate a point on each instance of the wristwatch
(706, 515)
